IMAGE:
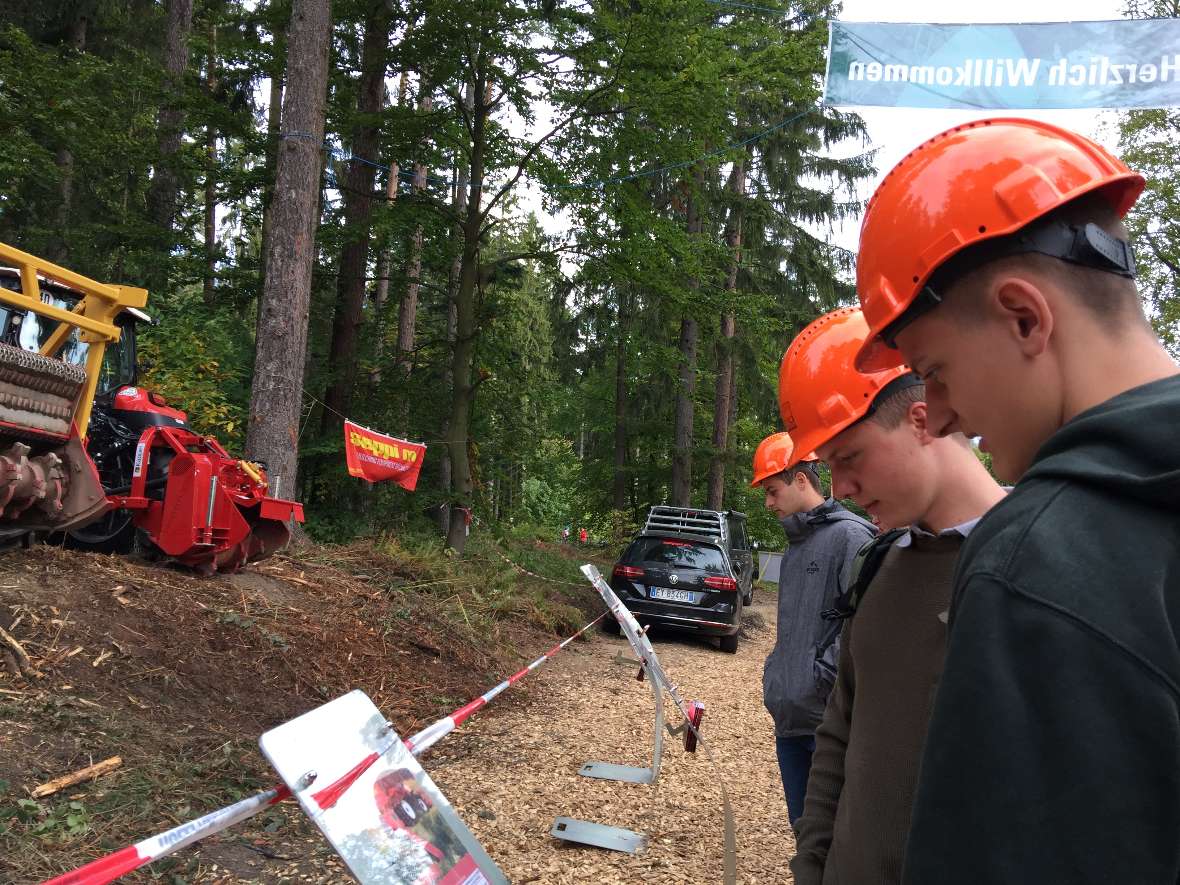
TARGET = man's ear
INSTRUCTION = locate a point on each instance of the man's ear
(1022, 310)
(919, 421)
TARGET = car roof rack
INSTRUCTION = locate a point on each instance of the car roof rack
(687, 521)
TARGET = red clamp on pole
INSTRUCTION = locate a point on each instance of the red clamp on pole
(696, 712)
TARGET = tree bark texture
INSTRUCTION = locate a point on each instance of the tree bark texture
(686, 391)
(385, 254)
(725, 374)
(64, 159)
(162, 195)
(381, 293)
(358, 214)
(407, 316)
(462, 389)
(276, 394)
(274, 115)
(621, 477)
(459, 200)
(210, 276)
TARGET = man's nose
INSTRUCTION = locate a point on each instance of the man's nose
(940, 417)
(843, 485)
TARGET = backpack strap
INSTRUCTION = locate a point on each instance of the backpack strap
(864, 567)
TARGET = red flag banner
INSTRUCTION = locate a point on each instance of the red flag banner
(376, 457)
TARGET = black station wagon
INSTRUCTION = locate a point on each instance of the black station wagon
(689, 569)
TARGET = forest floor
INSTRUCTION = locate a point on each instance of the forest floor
(179, 676)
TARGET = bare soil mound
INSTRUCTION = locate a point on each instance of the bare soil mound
(178, 675)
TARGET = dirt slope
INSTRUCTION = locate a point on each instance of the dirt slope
(180, 675)
(510, 775)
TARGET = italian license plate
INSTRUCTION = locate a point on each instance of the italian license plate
(671, 595)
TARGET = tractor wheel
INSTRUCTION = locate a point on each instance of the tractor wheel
(114, 533)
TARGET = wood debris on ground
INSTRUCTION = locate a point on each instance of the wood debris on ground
(511, 773)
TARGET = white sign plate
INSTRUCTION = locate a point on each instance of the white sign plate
(392, 825)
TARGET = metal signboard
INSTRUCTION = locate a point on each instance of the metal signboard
(355, 778)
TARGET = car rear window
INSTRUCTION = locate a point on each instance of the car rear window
(683, 554)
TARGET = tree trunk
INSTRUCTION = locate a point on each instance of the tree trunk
(681, 492)
(685, 393)
(725, 377)
(274, 113)
(459, 201)
(385, 255)
(281, 340)
(462, 389)
(621, 478)
(162, 195)
(358, 213)
(64, 159)
(408, 310)
(207, 291)
(381, 295)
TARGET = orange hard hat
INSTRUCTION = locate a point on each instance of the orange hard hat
(820, 391)
(975, 182)
(774, 456)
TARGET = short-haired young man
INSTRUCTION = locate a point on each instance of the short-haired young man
(872, 431)
(822, 540)
(995, 258)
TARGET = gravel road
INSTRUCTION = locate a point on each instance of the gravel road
(509, 774)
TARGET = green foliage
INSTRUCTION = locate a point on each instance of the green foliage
(59, 822)
(576, 347)
(1147, 143)
(614, 528)
(247, 623)
(196, 358)
(549, 492)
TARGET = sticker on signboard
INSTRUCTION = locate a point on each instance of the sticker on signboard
(387, 819)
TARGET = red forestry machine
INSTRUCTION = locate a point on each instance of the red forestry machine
(88, 455)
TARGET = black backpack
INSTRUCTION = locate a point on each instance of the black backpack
(864, 567)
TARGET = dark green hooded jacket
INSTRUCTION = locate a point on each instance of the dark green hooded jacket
(1053, 754)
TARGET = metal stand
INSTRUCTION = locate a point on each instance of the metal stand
(598, 835)
(616, 838)
(633, 774)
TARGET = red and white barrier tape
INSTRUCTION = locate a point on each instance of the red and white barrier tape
(521, 568)
(107, 869)
(436, 731)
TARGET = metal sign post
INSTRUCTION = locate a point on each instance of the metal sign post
(634, 774)
(599, 835)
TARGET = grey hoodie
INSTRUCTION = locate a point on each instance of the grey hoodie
(821, 545)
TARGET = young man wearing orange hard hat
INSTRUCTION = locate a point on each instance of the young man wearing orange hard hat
(926, 493)
(994, 260)
(822, 540)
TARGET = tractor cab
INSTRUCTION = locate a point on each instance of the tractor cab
(118, 387)
(88, 454)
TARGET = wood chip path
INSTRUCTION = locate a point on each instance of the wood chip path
(512, 772)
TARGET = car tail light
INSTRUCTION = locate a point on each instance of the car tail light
(628, 571)
(676, 543)
(720, 583)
